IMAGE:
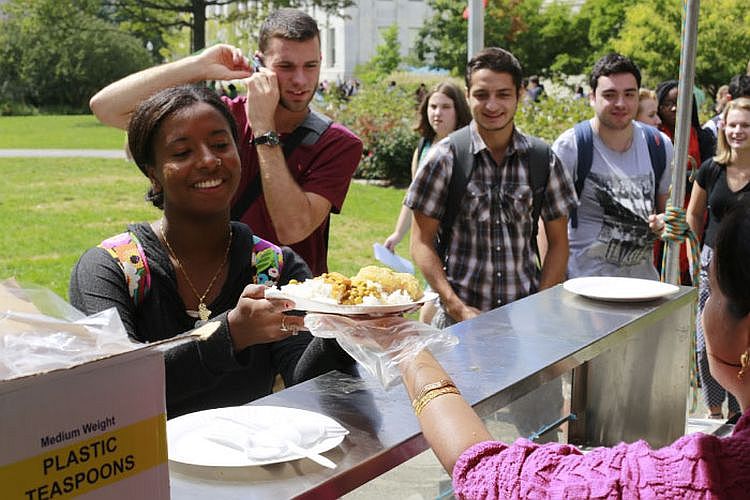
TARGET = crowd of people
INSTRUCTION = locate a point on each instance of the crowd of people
(247, 184)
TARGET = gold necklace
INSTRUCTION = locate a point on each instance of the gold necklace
(203, 312)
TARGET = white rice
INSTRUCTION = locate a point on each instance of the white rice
(314, 289)
(319, 290)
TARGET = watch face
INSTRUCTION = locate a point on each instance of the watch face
(270, 138)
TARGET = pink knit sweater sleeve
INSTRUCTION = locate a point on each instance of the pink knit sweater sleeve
(695, 466)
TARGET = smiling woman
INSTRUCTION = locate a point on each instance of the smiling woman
(194, 268)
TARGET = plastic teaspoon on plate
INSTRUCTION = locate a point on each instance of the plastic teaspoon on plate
(291, 446)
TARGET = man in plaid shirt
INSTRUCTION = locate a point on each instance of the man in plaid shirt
(490, 260)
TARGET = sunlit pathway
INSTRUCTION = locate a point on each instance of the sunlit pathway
(62, 153)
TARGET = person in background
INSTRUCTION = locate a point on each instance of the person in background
(694, 466)
(524, 90)
(535, 90)
(580, 94)
(648, 111)
(701, 145)
(722, 98)
(609, 235)
(700, 148)
(420, 93)
(739, 86)
(285, 196)
(722, 183)
(194, 268)
(443, 110)
(489, 258)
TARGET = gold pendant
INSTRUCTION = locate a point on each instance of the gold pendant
(203, 311)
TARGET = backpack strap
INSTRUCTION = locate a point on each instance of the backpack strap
(463, 164)
(657, 154)
(585, 147)
(268, 261)
(420, 146)
(539, 159)
(308, 132)
(127, 250)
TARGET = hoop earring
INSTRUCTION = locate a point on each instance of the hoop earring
(744, 364)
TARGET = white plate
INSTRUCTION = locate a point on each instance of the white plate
(316, 306)
(189, 436)
(616, 289)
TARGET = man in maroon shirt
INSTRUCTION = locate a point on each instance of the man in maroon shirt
(287, 192)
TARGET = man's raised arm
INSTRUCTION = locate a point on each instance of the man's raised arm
(114, 104)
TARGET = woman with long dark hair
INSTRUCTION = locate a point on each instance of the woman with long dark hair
(443, 110)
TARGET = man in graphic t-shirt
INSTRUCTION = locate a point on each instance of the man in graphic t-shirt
(610, 235)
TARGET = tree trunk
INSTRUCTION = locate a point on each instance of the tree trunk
(199, 25)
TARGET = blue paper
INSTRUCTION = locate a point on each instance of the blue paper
(392, 260)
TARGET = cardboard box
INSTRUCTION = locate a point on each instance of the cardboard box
(96, 429)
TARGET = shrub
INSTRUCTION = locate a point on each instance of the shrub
(16, 108)
(549, 117)
(384, 120)
(60, 69)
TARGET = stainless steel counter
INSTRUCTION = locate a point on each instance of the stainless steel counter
(629, 363)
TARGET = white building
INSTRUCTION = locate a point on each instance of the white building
(348, 42)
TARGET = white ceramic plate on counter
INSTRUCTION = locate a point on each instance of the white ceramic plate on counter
(223, 437)
(615, 289)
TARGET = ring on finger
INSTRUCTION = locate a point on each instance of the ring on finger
(284, 328)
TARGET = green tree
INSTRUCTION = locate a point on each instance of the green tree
(56, 53)
(548, 39)
(170, 15)
(386, 59)
(442, 38)
(544, 37)
(603, 20)
(651, 36)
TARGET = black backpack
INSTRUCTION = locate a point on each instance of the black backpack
(657, 153)
(307, 132)
(463, 163)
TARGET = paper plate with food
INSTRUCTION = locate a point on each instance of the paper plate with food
(373, 290)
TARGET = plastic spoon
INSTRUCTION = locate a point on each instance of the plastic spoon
(286, 441)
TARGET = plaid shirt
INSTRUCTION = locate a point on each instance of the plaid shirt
(491, 258)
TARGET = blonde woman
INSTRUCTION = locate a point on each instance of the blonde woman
(648, 108)
(721, 183)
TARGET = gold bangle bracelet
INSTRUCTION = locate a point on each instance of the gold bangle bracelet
(431, 387)
(435, 393)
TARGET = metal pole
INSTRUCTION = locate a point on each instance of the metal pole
(682, 131)
(476, 28)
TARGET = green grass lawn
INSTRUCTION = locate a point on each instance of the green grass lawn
(54, 209)
(53, 132)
